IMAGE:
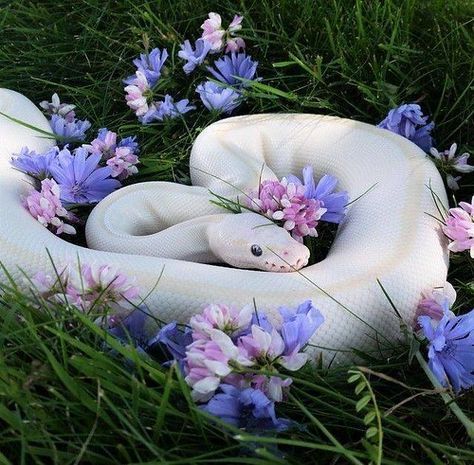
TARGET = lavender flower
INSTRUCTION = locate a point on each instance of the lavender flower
(168, 108)
(460, 227)
(69, 130)
(138, 94)
(174, 340)
(194, 57)
(408, 121)
(451, 349)
(46, 207)
(130, 329)
(214, 33)
(334, 202)
(36, 165)
(80, 178)
(123, 163)
(55, 107)
(236, 69)
(248, 408)
(150, 65)
(286, 203)
(218, 98)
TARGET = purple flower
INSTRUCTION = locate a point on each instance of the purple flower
(248, 408)
(214, 33)
(437, 303)
(130, 142)
(130, 329)
(138, 95)
(123, 163)
(408, 121)
(451, 349)
(104, 144)
(168, 108)
(235, 69)
(80, 178)
(149, 64)
(36, 165)
(219, 98)
(175, 340)
(299, 325)
(334, 202)
(194, 57)
(286, 203)
(69, 130)
(460, 227)
(46, 207)
(55, 107)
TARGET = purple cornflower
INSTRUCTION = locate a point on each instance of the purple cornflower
(218, 98)
(460, 227)
(286, 203)
(149, 64)
(194, 57)
(334, 202)
(174, 340)
(451, 349)
(247, 408)
(235, 69)
(55, 107)
(36, 165)
(69, 130)
(46, 207)
(168, 108)
(80, 178)
(408, 121)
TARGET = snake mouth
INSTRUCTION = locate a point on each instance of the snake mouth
(286, 267)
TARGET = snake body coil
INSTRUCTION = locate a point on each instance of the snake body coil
(389, 235)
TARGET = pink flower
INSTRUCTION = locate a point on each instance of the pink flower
(437, 302)
(207, 362)
(136, 94)
(286, 202)
(460, 227)
(217, 36)
(123, 163)
(227, 319)
(47, 208)
(104, 145)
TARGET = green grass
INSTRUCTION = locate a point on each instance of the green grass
(63, 398)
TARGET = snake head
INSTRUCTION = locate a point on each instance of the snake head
(249, 240)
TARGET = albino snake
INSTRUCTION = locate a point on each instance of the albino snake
(389, 234)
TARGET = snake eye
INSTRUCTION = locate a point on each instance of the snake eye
(256, 250)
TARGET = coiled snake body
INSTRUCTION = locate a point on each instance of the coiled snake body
(389, 236)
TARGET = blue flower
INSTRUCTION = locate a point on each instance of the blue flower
(194, 57)
(451, 349)
(299, 325)
(235, 69)
(218, 98)
(36, 165)
(150, 65)
(248, 408)
(174, 339)
(166, 109)
(80, 178)
(69, 130)
(334, 202)
(408, 121)
(131, 329)
(131, 143)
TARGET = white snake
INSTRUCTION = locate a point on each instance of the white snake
(389, 234)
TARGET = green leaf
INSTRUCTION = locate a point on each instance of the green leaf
(369, 417)
(371, 432)
(360, 387)
(362, 402)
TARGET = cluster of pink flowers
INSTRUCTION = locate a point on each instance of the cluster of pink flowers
(437, 302)
(218, 37)
(227, 341)
(120, 156)
(286, 202)
(459, 227)
(88, 286)
(46, 207)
